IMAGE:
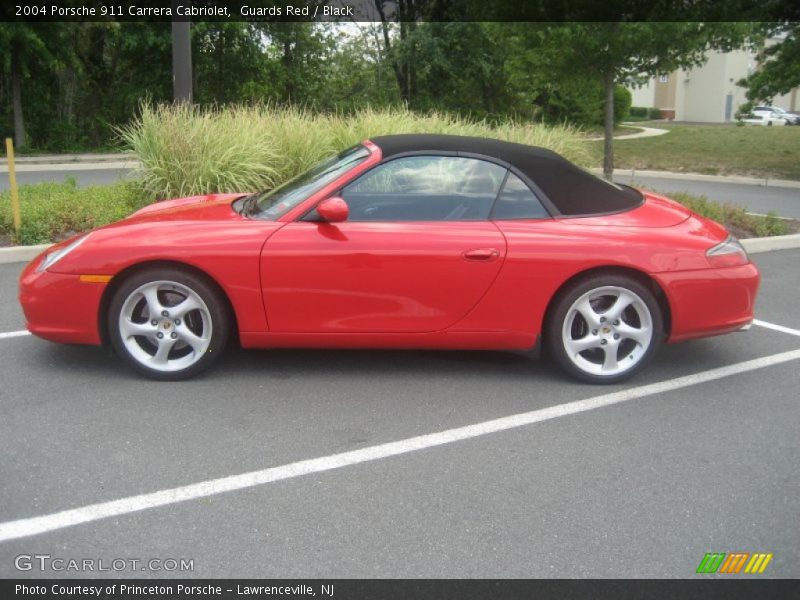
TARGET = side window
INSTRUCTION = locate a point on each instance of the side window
(517, 201)
(425, 188)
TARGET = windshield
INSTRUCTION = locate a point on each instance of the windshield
(278, 201)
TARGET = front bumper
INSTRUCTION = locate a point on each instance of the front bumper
(710, 301)
(60, 307)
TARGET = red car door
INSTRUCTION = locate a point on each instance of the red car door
(415, 255)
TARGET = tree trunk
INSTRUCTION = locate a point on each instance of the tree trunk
(402, 67)
(412, 65)
(287, 60)
(181, 59)
(16, 101)
(388, 51)
(67, 82)
(608, 138)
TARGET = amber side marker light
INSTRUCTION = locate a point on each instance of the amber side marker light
(95, 278)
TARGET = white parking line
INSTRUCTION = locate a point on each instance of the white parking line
(35, 525)
(775, 327)
(13, 334)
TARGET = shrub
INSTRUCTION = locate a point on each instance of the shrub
(186, 150)
(744, 111)
(643, 112)
(654, 113)
(54, 211)
(579, 101)
(622, 103)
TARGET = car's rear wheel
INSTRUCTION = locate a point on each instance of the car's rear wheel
(168, 324)
(604, 328)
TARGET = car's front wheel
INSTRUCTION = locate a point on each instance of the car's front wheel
(168, 324)
(604, 328)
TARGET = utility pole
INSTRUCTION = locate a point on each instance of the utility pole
(181, 57)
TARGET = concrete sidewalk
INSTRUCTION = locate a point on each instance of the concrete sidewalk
(645, 132)
(61, 159)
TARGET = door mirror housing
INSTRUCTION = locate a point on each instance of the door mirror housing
(333, 210)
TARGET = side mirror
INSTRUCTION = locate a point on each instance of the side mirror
(333, 210)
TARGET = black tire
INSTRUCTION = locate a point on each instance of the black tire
(171, 284)
(554, 331)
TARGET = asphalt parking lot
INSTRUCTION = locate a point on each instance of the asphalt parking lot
(640, 483)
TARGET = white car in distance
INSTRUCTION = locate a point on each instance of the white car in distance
(766, 119)
(791, 119)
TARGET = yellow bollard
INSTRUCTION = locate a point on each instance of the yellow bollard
(12, 180)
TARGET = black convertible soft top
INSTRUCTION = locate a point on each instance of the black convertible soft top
(570, 190)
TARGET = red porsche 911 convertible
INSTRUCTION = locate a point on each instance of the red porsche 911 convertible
(403, 241)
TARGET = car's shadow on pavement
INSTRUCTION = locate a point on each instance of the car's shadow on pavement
(289, 363)
(337, 364)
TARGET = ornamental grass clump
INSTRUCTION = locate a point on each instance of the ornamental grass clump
(186, 150)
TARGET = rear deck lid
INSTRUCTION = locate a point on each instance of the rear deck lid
(655, 211)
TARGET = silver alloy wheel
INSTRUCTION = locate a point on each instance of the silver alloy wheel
(165, 326)
(607, 331)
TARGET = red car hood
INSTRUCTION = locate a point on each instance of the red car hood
(210, 207)
(656, 211)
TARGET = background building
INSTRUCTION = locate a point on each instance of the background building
(707, 94)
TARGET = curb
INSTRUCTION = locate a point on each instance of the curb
(768, 244)
(54, 159)
(15, 254)
(734, 179)
(73, 166)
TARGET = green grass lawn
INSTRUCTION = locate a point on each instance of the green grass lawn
(55, 211)
(599, 130)
(768, 152)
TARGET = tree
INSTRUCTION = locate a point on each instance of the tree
(357, 73)
(22, 47)
(406, 13)
(122, 63)
(538, 92)
(295, 61)
(780, 68)
(628, 52)
(458, 67)
(226, 57)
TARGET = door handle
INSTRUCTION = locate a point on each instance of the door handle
(482, 254)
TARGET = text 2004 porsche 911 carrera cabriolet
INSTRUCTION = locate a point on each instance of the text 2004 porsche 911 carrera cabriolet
(406, 241)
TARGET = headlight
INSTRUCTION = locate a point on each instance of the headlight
(53, 257)
(729, 253)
